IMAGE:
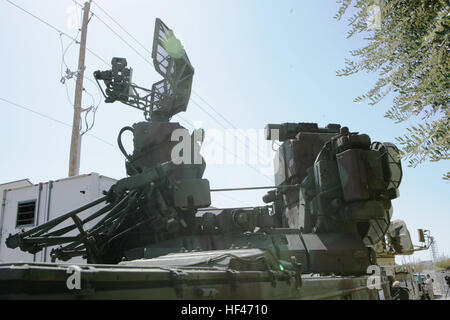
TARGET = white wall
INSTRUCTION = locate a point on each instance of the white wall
(11, 200)
(11, 185)
(54, 198)
(14, 185)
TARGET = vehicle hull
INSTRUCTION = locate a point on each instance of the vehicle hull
(49, 281)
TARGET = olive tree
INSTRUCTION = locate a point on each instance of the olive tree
(407, 45)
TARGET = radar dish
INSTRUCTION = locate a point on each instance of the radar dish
(170, 95)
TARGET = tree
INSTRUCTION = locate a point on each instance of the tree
(408, 46)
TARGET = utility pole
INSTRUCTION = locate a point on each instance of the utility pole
(75, 146)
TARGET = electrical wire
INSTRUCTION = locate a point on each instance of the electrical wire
(234, 208)
(148, 51)
(151, 64)
(127, 43)
(53, 119)
(232, 198)
(121, 38)
(57, 30)
(78, 16)
(108, 64)
(243, 142)
(69, 75)
(86, 113)
(63, 63)
(122, 28)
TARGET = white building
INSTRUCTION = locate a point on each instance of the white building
(25, 206)
(13, 185)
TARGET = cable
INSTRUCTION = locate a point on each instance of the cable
(247, 164)
(53, 119)
(248, 188)
(151, 64)
(63, 62)
(244, 143)
(148, 51)
(101, 59)
(69, 75)
(78, 16)
(108, 64)
(113, 31)
(230, 123)
(100, 139)
(129, 45)
(235, 208)
(89, 50)
(212, 108)
(67, 48)
(292, 186)
(58, 30)
(93, 108)
(122, 28)
(188, 122)
(232, 198)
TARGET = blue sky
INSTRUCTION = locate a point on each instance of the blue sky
(256, 62)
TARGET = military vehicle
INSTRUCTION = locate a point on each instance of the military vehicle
(157, 236)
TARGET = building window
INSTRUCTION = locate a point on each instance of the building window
(25, 213)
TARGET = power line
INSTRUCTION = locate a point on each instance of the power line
(145, 48)
(57, 30)
(120, 37)
(151, 64)
(244, 143)
(122, 28)
(78, 17)
(212, 108)
(232, 198)
(73, 40)
(247, 164)
(219, 114)
(293, 186)
(63, 63)
(126, 42)
(104, 61)
(34, 16)
(54, 119)
(70, 126)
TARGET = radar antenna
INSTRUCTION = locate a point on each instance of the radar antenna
(168, 96)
